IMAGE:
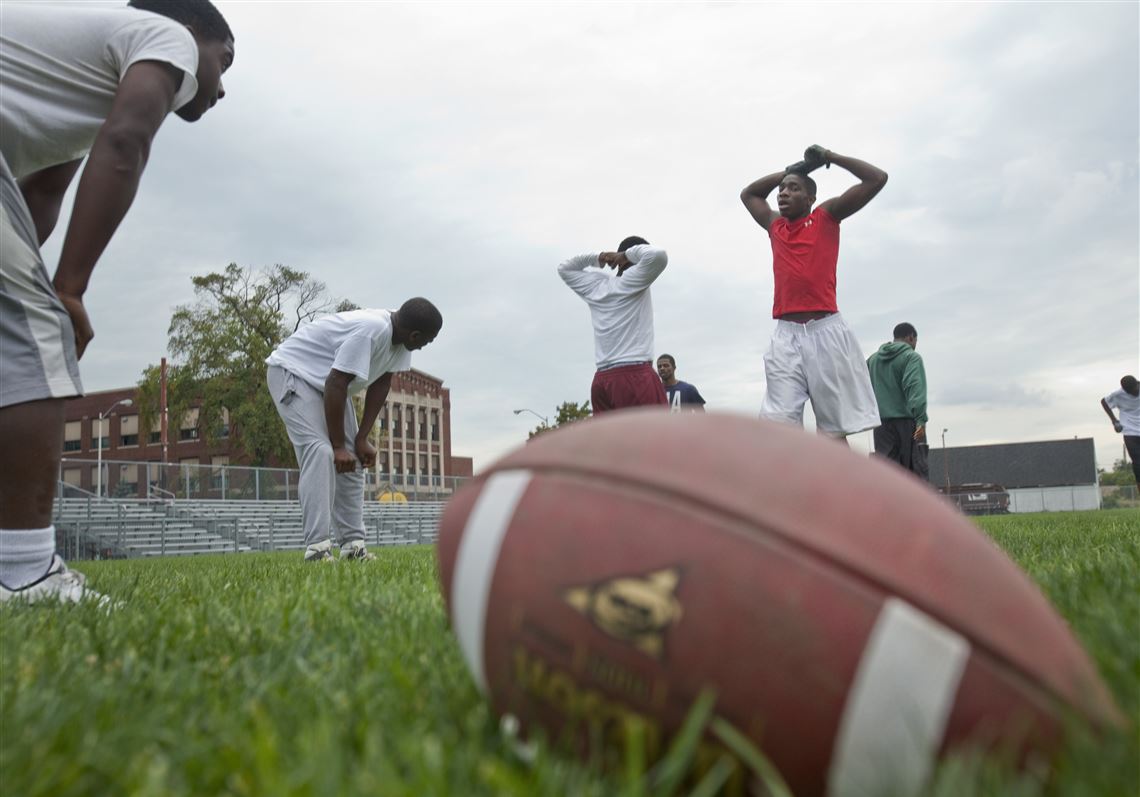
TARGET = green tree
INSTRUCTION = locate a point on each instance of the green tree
(219, 345)
(565, 413)
(1121, 474)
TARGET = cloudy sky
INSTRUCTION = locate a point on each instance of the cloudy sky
(461, 151)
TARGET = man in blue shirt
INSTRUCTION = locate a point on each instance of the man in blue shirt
(681, 395)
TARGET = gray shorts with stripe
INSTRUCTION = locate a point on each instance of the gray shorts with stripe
(37, 343)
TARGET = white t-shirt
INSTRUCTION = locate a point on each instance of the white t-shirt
(60, 67)
(621, 308)
(358, 342)
(1129, 407)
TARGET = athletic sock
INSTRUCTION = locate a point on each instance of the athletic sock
(25, 555)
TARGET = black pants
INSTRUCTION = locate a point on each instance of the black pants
(1132, 443)
(895, 441)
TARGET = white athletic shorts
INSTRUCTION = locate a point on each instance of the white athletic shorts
(37, 341)
(821, 361)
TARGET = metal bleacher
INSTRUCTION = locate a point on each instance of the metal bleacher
(91, 527)
(276, 525)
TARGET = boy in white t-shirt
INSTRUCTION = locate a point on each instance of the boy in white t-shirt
(1127, 400)
(77, 82)
(311, 377)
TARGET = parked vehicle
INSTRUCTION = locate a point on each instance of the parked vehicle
(978, 499)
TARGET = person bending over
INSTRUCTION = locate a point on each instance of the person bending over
(312, 376)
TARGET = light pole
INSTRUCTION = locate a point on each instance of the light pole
(945, 462)
(543, 418)
(126, 402)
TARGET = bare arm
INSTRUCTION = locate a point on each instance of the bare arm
(1115, 423)
(755, 198)
(871, 182)
(336, 396)
(373, 402)
(110, 181)
(43, 192)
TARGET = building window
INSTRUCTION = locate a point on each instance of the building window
(189, 427)
(435, 426)
(99, 434)
(73, 436)
(218, 466)
(73, 476)
(396, 421)
(224, 431)
(155, 475)
(129, 430)
(128, 481)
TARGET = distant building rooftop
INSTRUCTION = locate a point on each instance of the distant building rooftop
(1050, 463)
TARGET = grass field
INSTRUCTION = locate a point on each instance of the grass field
(260, 675)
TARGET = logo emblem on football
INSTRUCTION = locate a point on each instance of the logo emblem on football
(634, 609)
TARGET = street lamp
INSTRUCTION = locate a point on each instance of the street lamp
(945, 462)
(543, 418)
(126, 402)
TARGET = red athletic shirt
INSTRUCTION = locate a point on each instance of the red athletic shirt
(804, 254)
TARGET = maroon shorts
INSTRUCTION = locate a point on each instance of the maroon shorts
(635, 385)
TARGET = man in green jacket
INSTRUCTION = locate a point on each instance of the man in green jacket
(899, 380)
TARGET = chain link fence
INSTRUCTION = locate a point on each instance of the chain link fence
(158, 481)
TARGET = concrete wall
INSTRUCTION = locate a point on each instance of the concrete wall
(1054, 499)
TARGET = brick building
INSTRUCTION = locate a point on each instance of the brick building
(414, 450)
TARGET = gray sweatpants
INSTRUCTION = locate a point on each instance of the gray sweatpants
(328, 499)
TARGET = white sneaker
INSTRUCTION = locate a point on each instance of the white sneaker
(356, 550)
(320, 552)
(59, 583)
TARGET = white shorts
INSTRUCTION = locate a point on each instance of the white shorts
(37, 341)
(821, 361)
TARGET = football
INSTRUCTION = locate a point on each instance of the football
(852, 624)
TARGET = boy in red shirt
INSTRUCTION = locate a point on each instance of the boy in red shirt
(813, 354)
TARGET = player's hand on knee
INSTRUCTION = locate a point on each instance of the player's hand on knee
(365, 452)
(80, 322)
(343, 460)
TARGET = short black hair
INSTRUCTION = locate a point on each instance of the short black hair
(905, 330)
(200, 15)
(668, 357)
(420, 315)
(632, 240)
(1129, 384)
(809, 183)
